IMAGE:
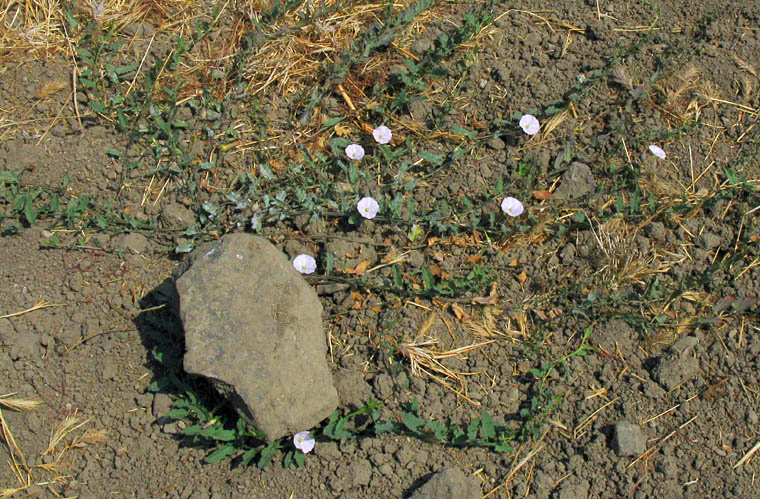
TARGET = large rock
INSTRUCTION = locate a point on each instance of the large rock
(253, 326)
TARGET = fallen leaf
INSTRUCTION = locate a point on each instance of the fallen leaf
(542, 195)
(430, 321)
(475, 259)
(360, 268)
(342, 130)
(389, 257)
(432, 240)
(491, 299)
(514, 263)
(522, 277)
(443, 305)
(459, 312)
(367, 129)
(479, 125)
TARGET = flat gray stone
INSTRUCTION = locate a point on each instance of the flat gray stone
(450, 483)
(628, 439)
(577, 181)
(134, 242)
(677, 365)
(176, 216)
(253, 327)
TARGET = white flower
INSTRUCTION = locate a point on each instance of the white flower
(305, 264)
(512, 207)
(367, 207)
(382, 134)
(529, 124)
(355, 151)
(657, 151)
(303, 441)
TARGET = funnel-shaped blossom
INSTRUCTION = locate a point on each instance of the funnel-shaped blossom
(512, 207)
(355, 151)
(529, 124)
(657, 151)
(303, 441)
(305, 264)
(367, 207)
(382, 134)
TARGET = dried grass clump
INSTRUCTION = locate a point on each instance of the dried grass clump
(295, 54)
(425, 359)
(620, 263)
(684, 94)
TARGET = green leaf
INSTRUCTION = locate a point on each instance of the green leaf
(435, 159)
(335, 428)
(332, 122)
(299, 458)
(461, 131)
(487, 426)
(177, 413)
(266, 172)
(427, 276)
(384, 427)
(125, 69)
(502, 447)
(222, 452)
(192, 430)
(458, 437)
(635, 202)
(250, 454)
(439, 431)
(29, 213)
(218, 433)
(267, 453)
(185, 247)
(731, 175)
(472, 430)
(397, 282)
(98, 107)
(412, 422)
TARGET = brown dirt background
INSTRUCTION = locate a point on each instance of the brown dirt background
(88, 354)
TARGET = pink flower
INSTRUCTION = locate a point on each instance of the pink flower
(529, 124)
(367, 207)
(355, 151)
(657, 151)
(512, 207)
(382, 134)
(305, 264)
(303, 441)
